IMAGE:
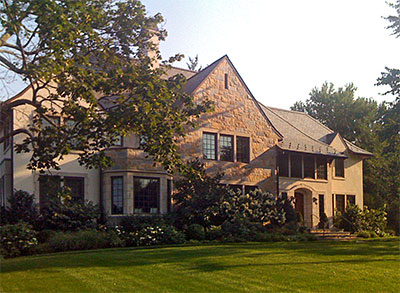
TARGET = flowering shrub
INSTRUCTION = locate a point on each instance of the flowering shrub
(18, 239)
(152, 235)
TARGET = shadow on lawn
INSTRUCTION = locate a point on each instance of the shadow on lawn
(205, 257)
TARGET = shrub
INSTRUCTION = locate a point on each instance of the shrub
(323, 221)
(153, 235)
(215, 233)
(17, 239)
(195, 232)
(66, 214)
(354, 219)
(22, 207)
(136, 223)
(82, 240)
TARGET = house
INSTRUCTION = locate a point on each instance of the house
(254, 145)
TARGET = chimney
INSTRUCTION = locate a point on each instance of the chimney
(153, 50)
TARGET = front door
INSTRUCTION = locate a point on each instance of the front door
(299, 206)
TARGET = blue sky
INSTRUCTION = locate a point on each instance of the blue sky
(283, 49)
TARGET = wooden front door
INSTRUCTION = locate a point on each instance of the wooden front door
(299, 205)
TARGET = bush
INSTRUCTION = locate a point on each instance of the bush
(353, 219)
(195, 232)
(22, 207)
(66, 214)
(152, 235)
(18, 239)
(136, 223)
(82, 240)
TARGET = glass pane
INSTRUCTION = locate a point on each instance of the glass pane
(117, 196)
(210, 146)
(309, 167)
(146, 194)
(226, 147)
(243, 149)
(340, 202)
(295, 166)
(321, 168)
(339, 167)
(351, 199)
(76, 184)
(283, 165)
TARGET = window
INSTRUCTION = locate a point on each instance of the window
(146, 194)
(295, 166)
(226, 81)
(226, 147)
(77, 187)
(52, 119)
(321, 201)
(210, 146)
(351, 199)
(47, 185)
(340, 202)
(69, 125)
(119, 141)
(117, 195)
(339, 168)
(321, 168)
(283, 163)
(249, 188)
(309, 167)
(243, 149)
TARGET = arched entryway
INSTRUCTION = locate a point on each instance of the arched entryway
(303, 206)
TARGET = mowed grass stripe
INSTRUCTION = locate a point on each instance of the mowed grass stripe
(299, 267)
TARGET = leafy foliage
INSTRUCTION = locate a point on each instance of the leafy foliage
(72, 52)
(354, 219)
(17, 239)
(66, 214)
(193, 63)
(22, 207)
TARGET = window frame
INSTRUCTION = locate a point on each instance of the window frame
(157, 198)
(242, 156)
(232, 148)
(113, 195)
(339, 172)
(215, 135)
(76, 179)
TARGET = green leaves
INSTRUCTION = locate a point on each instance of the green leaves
(72, 53)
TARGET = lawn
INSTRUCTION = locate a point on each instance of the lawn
(359, 266)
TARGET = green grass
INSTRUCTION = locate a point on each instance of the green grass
(362, 266)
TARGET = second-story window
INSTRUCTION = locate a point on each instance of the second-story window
(321, 168)
(243, 149)
(295, 166)
(339, 168)
(283, 162)
(210, 146)
(309, 167)
(226, 147)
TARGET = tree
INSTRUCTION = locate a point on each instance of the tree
(193, 63)
(341, 111)
(70, 52)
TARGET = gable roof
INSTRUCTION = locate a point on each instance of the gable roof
(300, 127)
(195, 81)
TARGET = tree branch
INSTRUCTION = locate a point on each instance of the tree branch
(15, 132)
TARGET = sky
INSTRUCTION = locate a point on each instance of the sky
(282, 49)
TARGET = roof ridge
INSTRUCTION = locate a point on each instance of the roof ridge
(212, 64)
(316, 140)
(291, 111)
